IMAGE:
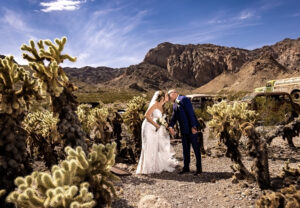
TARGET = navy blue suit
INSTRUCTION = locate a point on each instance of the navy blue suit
(183, 112)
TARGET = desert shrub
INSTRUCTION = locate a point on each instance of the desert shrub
(272, 111)
(107, 97)
(78, 181)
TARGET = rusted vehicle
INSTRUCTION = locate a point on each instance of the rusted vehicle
(273, 102)
(289, 85)
(203, 100)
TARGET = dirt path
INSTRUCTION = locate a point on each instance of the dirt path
(213, 188)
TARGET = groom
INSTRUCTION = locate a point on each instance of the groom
(183, 112)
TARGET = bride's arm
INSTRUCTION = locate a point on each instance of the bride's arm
(148, 116)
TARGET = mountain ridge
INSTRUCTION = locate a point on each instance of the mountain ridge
(197, 67)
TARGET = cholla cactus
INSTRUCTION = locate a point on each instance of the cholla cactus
(290, 175)
(101, 128)
(287, 198)
(83, 112)
(17, 89)
(17, 92)
(257, 149)
(96, 169)
(225, 124)
(97, 122)
(68, 183)
(133, 118)
(228, 118)
(52, 78)
(43, 135)
(53, 81)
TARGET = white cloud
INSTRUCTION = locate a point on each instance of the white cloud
(296, 14)
(60, 5)
(16, 29)
(12, 19)
(245, 15)
(109, 38)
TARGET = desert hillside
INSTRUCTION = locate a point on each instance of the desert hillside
(203, 67)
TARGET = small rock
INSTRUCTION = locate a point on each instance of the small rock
(244, 185)
(151, 201)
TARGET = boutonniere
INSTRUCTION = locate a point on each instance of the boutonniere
(178, 102)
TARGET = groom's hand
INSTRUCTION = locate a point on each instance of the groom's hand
(194, 130)
(172, 132)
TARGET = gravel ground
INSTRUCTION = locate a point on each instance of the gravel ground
(212, 188)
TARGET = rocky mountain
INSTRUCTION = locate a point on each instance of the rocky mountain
(204, 67)
(281, 60)
(93, 75)
(196, 65)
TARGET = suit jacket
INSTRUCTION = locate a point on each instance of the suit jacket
(183, 112)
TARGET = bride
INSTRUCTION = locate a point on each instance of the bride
(157, 153)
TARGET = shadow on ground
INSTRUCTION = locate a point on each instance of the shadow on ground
(121, 203)
(205, 177)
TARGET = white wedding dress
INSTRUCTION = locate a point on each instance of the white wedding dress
(157, 152)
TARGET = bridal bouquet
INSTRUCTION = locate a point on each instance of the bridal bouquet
(162, 122)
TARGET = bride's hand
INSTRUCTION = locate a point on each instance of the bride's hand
(157, 127)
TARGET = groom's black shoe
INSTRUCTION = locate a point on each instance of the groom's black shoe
(198, 172)
(184, 170)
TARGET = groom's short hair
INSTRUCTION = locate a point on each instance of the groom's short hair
(171, 91)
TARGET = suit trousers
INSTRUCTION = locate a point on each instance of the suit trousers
(187, 140)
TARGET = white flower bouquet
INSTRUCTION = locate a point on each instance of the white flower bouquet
(162, 121)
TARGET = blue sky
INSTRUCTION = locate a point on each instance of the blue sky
(118, 33)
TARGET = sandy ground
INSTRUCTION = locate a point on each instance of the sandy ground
(212, 188)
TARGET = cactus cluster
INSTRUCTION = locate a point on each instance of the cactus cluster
(133, 118)
(79, 181)
(227, 118)
(290, 175)
(100, 125)
(17, 92)
(229, 122)
(17, 89)
(98, 122)
(51, 78)
(225, 124)
(83, 111)
(42, 135)
(288, 197)
(45, 190)
(257, 149)
(45, 62)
